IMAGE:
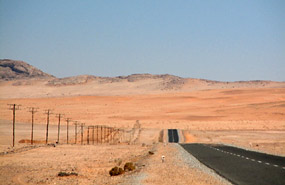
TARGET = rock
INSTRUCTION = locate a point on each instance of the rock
(12, 69)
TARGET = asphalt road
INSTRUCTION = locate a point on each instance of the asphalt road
(240, 166)
(173, 136)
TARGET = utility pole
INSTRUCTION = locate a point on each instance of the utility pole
(93, 127)
(101, 134)
(88, 135)
(14, 107)
(33, 110)
(111, 134)
(82, 124)
(104, 134)
(76, 123)
(97, 130)
(47, 112)
(58, 126)
(67, 127)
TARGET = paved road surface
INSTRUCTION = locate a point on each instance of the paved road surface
(240, 166)
(173, 136)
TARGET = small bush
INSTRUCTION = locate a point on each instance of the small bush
(116, 171)
(150, 152)
(63, 174)
(129, 167)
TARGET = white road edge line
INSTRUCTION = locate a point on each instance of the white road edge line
(244, 157)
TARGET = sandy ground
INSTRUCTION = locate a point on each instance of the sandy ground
(207, 109)
(247, 117)
(92, 163)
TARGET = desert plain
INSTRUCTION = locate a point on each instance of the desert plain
(250, 115)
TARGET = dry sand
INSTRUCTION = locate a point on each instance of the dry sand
(244, 115)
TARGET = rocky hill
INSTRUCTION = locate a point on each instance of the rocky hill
(168, 80)
(12, 69)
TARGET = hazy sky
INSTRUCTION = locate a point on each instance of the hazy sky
(212, 39)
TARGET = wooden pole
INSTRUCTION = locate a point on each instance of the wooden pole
(97, 130)
(93, 127)
(82, 133)
(14, 107)
(14, 119)
(101, 134)
(75, 131)
(58, 127)
(88, 135)
(48, 112)
(67, 129)
(33, 111)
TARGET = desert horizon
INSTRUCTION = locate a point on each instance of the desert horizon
(142, 92)
(244, 114)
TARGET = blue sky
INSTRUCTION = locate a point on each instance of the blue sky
(218, 40)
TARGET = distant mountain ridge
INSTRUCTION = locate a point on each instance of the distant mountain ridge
(21, 80)
(13, 69)
(17, 70)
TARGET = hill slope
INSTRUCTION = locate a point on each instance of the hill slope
(12, 69)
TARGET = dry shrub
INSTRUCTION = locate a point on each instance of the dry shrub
(129, 166)
(63, 174)
(116, 171)
(150, 152)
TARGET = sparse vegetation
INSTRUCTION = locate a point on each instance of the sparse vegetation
(116, 171)
(129, 166)
(63, 174)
